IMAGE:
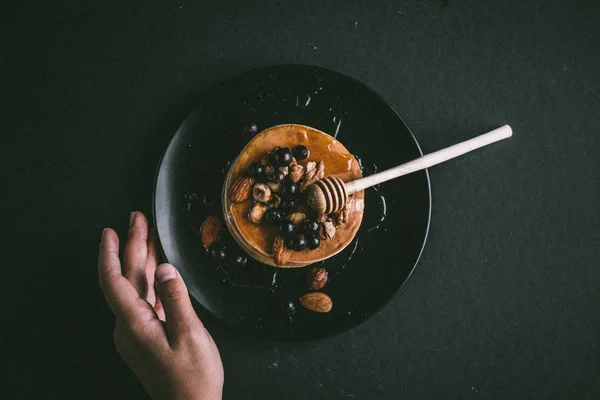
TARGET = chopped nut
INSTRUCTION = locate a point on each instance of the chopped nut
(329, 229)
(257, 213)
(275, 200)
(269, 171)
(345, 213)
(241, 189)
(273, 186)
(261, 192)
(296, 173)
(314, 172)
(341, 217)
(322, 218)
(285, 170)
(293, 163)
(297, 217)
(322, 234)
(320, 170)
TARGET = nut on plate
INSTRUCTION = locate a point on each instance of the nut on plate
(314, 172)
(329, 228)
(317, 278)
(317, 302)
(281, 254)
(261, 192)
(297, 217)
(256, 214)
(341, 217)
(274, 201)
(210, 229)
(296, 173)
(273, 186)
(241, 189)
(320, 170)
(269, 171)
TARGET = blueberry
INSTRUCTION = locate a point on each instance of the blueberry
(289, 241)
(285, 227)
(240, 260)
(289, 188)
(313, 241)
(310, 225)
(222, 253)
(250, 130)
(288, 205)
(287, 307)
(273, 215)
(255, 170)
(218, 252)
(278, 177)
(283, 156)
(301, 152)
(299, 242)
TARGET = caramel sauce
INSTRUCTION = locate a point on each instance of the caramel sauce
(257, 239)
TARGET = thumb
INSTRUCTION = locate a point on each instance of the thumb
(180, 316)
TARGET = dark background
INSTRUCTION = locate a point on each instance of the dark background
(504, 303)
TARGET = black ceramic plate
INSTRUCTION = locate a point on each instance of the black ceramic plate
(366, 275)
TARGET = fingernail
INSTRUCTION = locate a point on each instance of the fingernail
(165, 272)
(103, 233)
(131, 219)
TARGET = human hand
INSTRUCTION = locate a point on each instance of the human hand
(157, 333)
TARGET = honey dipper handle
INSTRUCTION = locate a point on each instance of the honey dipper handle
(430, 160)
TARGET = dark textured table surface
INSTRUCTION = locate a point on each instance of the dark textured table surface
(505, 300)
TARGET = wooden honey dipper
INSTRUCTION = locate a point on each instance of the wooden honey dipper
(331, 193)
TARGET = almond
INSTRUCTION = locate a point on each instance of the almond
(317, 278)
(241, 189)
(317, 302)
(281, 254)
(210, 231)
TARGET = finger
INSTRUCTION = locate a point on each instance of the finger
(134, 254)
(151, 263)
(159, 309)
(120, 295)
(180, 315)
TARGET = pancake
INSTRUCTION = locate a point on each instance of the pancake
(257, 240)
